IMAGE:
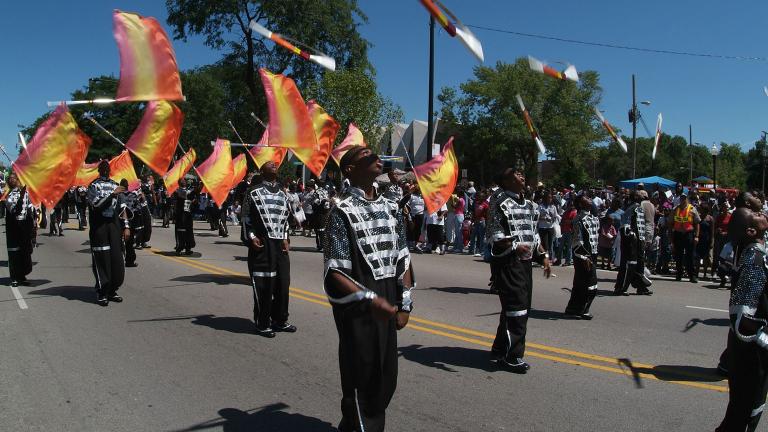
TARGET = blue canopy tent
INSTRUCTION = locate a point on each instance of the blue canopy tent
(648, 181)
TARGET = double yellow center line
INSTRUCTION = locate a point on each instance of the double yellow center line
(560, 355)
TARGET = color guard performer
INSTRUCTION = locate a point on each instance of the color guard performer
(144, 214)
(748, 336)
(81, 205)
(631, 259)
(265, 232)
(186, 201)
(515, 243)
(585, 228)
(368, 279)
(107, 219)
(136, 223)
(19, 231)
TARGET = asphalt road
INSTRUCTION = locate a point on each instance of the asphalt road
(179, 354)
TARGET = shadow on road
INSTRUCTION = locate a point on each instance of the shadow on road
(232, 243)
(444, 357)
(599, 293)
(305, 249)
(671, 373)
(173, 254)
(270, 418)
(214, 278)
(462, 290)
(86, 294)
(545, 315)
(231, 324)
(719, 322)
(30, 282)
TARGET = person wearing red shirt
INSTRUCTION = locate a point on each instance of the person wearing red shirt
(722, 221)
(477, 239)
(566, 228)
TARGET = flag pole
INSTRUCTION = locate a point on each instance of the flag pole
(2, 148)
(103, 129)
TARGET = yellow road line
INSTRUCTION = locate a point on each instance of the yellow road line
(320, 299)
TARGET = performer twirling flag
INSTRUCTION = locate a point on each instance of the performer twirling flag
(368, 279)
(318, 58)
(586, 228)
(19, 231)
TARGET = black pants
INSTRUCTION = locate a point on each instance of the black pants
(514, 280)
(18, 239)
(107, 255)
(130, 250)
(270, 271)
(223, 230)
(584, 286)
(367, 363)
(82, 222)
(632, 266)
(146, 232)
(56, 216)
(748, 384)
(185, 236)
(684, 251)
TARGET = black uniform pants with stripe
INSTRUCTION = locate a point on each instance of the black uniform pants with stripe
(185, 236)
(747, 383)
(18, 239)
(130, 250)
(367, 362)
(146, 221)
(107, 255)
(584, 286)
(270, 270)
(514, 280)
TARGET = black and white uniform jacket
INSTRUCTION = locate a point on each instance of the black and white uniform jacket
(377, 232)
(586, 229)
(134, 202)
(101, 201)
(633, 222)
(269, 211)
(748, 306)
(513, 217)
(18, 205)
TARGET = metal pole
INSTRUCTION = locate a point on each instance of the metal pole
(714, 172)
(430, 109)
(634, 129)
(690, 143)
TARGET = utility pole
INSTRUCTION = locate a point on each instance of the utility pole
(763, 153)
(633, 118)
(430, 109)
(690, 146)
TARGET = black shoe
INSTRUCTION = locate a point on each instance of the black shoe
(265, 332)
(188, 252)
(285, 328)
(138, 247)
(572, 316)
(496, 356)
(517, 365)
(61, 234)
(694, 280)
(102, 300)
(145, 245)
(131, 264)
(178, 252)
(646, 292)
(678, 278)
(587, 316)
(115, 298)
(14, 283)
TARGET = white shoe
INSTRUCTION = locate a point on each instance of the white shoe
(477, 255)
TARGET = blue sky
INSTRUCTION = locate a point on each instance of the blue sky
(51, 47)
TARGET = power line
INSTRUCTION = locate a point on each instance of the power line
(624, 47)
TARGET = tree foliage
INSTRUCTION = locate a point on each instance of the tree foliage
(490, 126)
(329, 25)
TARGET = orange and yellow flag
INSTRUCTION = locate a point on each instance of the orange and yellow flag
(240, 169)
(289, 123)
(121, 167)
(262, 154)
(178, 171)
(154, 141)
(52, 158)
(326, 129)
(354, 138)
(437, 178)
(217, 171)
(86, 174)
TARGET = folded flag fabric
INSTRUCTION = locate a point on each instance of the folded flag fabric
(326, 129)
(217, 171)
(51, 160)
(240, 169)
(354, 138)
(121, 167)
(148, 69)
(154, 141)
(261, 153)
(437, 177)
(178, 171)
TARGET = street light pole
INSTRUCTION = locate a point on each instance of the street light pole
(430, 109)
(690, 145)
(714, 151)
(634, 130)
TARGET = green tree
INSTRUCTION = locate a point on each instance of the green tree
(351, 96)
(331, 26)
(491, 130)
